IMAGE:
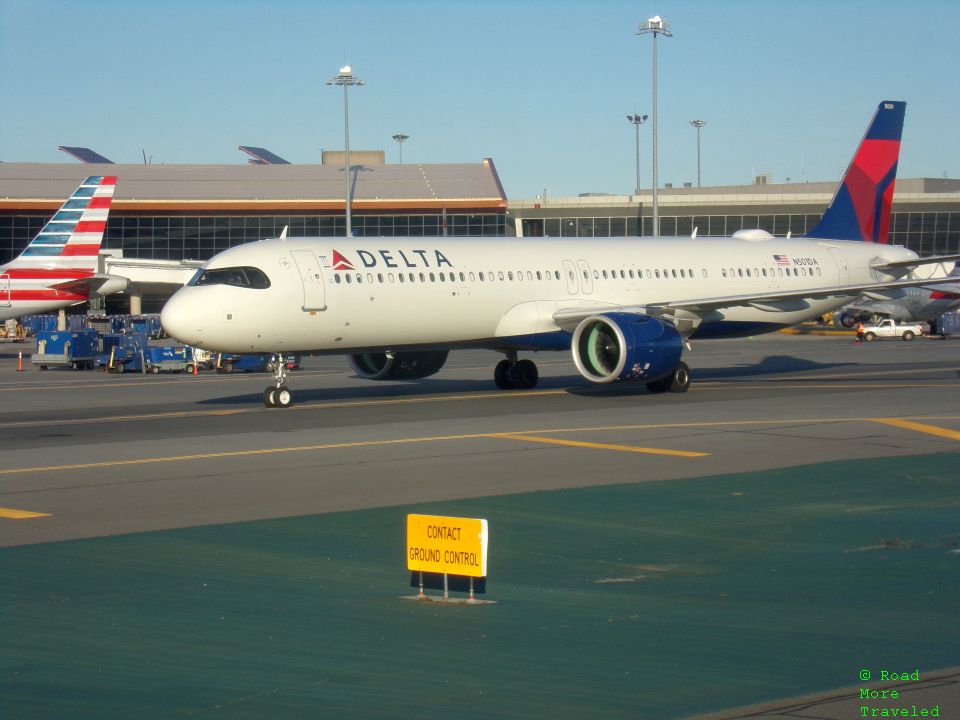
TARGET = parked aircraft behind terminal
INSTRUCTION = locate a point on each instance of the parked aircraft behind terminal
(625, 307)
(59, 266)
(925, 304)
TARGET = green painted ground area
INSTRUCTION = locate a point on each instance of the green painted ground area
(632, 601)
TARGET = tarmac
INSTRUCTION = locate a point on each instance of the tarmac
(661, 599)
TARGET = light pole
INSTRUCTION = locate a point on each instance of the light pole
(698, 124)
(655, 26)
(637, 120)
(400, 138)
(346, 78)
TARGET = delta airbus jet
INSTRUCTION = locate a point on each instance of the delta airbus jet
(59, 266)
(624, 307)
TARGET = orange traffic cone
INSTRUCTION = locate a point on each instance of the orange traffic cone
(20, 361)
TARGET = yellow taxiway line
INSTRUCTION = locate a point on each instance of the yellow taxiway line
(919, 427)
(12, 514)
(600, 446)
(519, 435)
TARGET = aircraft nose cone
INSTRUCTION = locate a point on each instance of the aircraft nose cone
(178, 319)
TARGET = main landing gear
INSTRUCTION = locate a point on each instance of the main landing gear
(513, 374)
(678, 382)
(278, 395)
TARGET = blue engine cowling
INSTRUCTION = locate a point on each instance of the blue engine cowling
(625, 346)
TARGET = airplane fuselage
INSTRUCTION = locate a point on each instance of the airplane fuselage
(337, 295)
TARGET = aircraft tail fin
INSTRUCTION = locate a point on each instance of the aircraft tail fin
(860, 209)
(72, 237)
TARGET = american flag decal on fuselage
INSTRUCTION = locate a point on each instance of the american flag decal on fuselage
(781, 259)
(48, 274)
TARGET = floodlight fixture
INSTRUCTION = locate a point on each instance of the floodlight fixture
(698, 124)
(637, 121)
(346, 78)
(655, 26)
(400, 137)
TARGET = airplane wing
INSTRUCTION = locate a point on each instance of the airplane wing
(688, 310)
(98, 283)
(916, 262)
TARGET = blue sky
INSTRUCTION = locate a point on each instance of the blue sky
(541, 87)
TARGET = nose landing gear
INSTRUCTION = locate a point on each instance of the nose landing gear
(278, 395)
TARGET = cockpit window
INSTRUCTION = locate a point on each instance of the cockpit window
(246, 277)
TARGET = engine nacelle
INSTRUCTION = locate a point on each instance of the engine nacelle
(625, 346)
(398, 366)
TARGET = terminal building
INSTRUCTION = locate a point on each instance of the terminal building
(163, 215)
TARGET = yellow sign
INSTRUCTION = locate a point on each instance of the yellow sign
(456, 546)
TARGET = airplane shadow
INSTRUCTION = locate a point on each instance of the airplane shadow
(572, 384)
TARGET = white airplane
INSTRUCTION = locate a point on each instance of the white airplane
(913, 304)
(625, 307)
(59, 266)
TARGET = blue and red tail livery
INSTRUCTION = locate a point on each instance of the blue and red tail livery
(59, 265)
(860, 209)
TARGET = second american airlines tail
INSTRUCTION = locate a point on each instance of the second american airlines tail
(624, 307)
(59, 266)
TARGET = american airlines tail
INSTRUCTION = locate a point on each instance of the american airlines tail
(860, 209)
(58, 268)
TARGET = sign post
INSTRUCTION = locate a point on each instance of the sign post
(447, 546)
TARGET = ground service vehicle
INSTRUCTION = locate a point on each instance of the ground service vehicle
(892, 329)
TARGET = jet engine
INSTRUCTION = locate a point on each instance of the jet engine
(626, 346)
(398, 366)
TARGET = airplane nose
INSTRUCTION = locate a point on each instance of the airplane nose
(178, 320)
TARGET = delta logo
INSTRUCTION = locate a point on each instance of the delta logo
(340, 262)
(398, 259)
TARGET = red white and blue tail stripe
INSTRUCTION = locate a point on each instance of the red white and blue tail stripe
(54, 270)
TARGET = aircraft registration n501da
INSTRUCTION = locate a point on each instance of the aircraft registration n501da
(623, 306)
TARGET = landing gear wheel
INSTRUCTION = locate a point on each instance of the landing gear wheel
(502, 376)
(680, 381)
(524, 375)
(270, 397)
(282, 397)
(659, 386)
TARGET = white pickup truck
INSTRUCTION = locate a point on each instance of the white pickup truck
(890, 329)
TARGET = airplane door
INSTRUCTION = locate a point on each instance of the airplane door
(571, 272)
(842, 267)
(4, 290)
(585, 273)
(311, 275)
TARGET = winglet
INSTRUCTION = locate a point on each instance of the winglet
(860, 209)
